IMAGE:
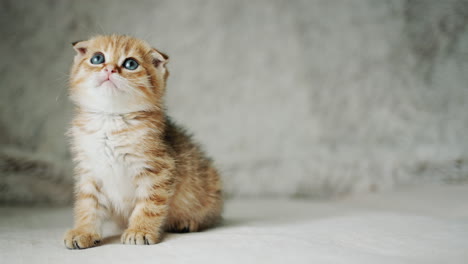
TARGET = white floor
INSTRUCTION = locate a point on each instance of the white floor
(424, 225)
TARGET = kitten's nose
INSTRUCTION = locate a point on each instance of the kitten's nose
(110, 69)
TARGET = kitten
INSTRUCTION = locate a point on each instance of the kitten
(132, 163)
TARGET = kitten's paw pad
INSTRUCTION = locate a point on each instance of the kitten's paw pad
(139, 237)
(79, 239)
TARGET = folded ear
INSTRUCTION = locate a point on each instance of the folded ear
(159, 59)
(81, 47)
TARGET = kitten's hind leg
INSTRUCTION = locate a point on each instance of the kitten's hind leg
(183, 227)
(184, 220)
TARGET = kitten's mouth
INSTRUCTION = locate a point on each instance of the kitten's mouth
(108, 83)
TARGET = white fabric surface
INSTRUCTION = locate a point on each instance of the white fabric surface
(424, 225)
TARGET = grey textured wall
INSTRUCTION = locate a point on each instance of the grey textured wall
(291, 98)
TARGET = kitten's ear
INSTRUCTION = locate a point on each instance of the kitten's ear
(81, 47)
(159, 59)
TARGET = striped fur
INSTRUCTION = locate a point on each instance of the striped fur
(133, 164)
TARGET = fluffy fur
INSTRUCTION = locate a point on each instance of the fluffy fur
(132, 163)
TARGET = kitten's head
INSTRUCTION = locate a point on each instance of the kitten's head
(117, 74)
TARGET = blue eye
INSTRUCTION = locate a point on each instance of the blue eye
(130, 64)
(97, 58)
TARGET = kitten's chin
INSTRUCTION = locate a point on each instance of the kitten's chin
(111, 104)
(114, 109)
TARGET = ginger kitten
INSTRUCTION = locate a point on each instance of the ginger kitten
(132, 163)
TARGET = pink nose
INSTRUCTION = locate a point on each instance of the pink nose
(110, 69)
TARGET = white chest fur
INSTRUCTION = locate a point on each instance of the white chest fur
(105, 155)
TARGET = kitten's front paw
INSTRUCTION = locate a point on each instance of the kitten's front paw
(81, 239)
(139, 237)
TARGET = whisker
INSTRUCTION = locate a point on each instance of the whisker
(103, 32)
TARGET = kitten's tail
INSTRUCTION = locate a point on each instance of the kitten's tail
(26, 179)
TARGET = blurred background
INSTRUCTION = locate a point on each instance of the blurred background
(302, 99)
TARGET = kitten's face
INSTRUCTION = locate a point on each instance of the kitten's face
(117, 74)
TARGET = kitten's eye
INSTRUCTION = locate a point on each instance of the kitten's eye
(130, 64)
(98, 58)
